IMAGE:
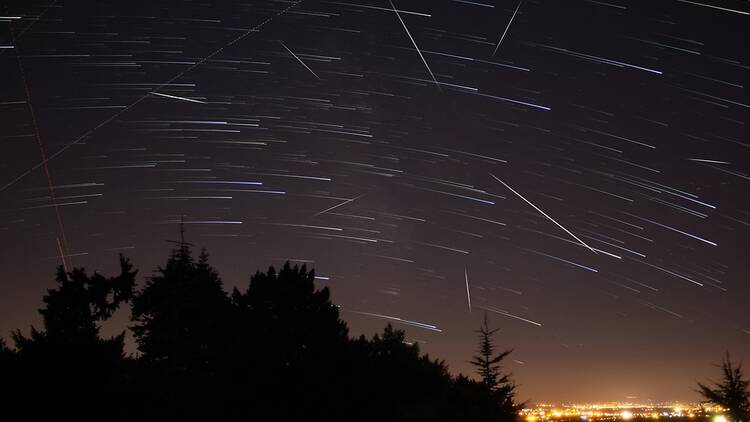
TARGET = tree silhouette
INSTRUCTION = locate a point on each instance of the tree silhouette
(180, 313)
(396, 368)
(486, 362)
(732, 392)
(6, 355)
(68, 356)
(292, 316)
(277, 350)
(181, 326)
(73, 310)
(289, 341)
(488, 365)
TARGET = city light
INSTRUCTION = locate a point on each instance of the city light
(633, 412)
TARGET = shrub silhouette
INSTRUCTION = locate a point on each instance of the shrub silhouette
(276, 351)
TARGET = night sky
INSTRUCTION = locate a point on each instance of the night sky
(580, 168)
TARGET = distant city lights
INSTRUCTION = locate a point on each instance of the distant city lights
(621, 412)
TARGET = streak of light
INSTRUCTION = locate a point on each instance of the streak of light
(509, 315)
(338, 205)
(703, 160)
(475, 3)
(622, 138)
(298, 59)
(199, 222)
(295, 176)
(442, 247)
(507, 28)
(275, 192)
(219, 182)
(176, 97)
(394, 258)
(670, 272)
(36, 19)
(355, 238)
(62, 243)
(477, 218)
(510, 100)
(62, 255)
(185, 198)
(576, 243)
(597, 59)
(544, 214)
(468, 293)
(54, 205)
(714, 7)
(400, 320)
(484, 201)
(593, 270)
(111, 118)
(673, 229)
(305, 226)
(406, 12)
(655, 306)
(483, 157)
(415, 46)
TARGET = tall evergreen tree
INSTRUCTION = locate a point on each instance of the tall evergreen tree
(488, 365)
(732, 392)
(486, 361)
(181, 314)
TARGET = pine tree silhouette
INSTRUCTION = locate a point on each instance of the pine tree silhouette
(180, 313)
(732, 392)
(488, 365)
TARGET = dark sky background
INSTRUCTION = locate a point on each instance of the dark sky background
(316, 132)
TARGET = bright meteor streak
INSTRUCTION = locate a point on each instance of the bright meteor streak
(402, 321)
(298, 59)
(415, 45)
(337, 205)
(545, 214)
(177, 98)
(507, 28)
(468, 294)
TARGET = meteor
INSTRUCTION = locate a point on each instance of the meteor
(415, 46)
(545, 214)
(298, 59)
(507, 28)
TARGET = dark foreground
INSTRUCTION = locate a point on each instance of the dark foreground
(276, 351)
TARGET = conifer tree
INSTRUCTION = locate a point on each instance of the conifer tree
(732, 392)
(180, 314)
(488, 365)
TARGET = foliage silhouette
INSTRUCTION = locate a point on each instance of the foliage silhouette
(180, 314)
(732, 392)
(489, 368)
(68, 357)
(276, 351)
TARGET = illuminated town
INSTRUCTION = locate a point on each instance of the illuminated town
(622, 411)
